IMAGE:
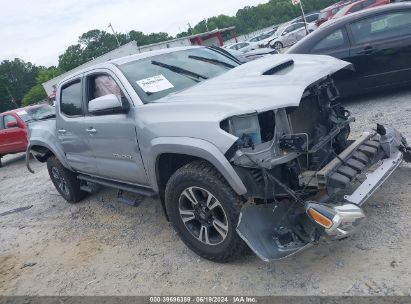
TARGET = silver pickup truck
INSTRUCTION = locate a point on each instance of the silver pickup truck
(238, 154)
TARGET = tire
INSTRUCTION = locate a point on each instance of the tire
(65, 181)
(278, 45)
(219, 216)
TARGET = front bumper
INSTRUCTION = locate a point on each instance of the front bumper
(376, 156)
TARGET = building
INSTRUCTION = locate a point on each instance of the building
(211, 38)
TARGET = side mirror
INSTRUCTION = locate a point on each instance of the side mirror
(106, 104)
(12, 124)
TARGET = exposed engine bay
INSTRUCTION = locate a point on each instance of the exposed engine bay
(294, 161)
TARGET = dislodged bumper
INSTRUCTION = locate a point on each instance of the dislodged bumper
(263, 227)
(384, 152)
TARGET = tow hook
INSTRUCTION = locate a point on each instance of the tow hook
(339, 221)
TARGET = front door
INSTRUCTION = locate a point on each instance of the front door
(12, 139)
(71, 130)
(113, 137)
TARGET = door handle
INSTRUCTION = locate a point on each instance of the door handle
(62, 131)
(91, 130)
(367, 50)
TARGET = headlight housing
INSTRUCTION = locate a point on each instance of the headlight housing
(245, 127)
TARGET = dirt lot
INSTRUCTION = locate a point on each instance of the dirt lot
(103, 247)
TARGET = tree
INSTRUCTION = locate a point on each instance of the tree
(71, 58)
(37, 92)
(17, 77)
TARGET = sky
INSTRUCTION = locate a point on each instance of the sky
(40, 30)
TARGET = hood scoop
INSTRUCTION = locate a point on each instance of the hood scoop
(279, 67)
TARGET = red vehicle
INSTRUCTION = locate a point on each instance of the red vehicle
(358, 6)
(329, 12)
(13, 127)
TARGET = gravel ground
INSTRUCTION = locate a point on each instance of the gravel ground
(103, 247)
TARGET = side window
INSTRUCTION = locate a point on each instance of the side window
(381, 27)
(71, 99)
(1, 123)
(101, 85)
(7, 119)
(335, 40)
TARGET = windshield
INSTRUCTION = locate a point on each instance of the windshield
(323, 15)
(342, 12)
(36, 113)
(156, 77)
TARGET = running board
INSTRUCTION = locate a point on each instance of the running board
(118, 185)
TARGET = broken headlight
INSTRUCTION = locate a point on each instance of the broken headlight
(245, 127)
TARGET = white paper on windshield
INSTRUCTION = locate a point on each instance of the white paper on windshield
(155, 84)
(22, 112)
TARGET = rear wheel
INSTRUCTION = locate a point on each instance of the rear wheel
(65, 181)
(204, 211)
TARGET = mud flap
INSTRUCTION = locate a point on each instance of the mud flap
(257, 226)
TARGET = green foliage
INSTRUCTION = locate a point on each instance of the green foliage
(16, 79)
(37, 92)
(95, 43)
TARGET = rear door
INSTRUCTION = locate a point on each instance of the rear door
(381, 48)
(71, 130)
(113, 137)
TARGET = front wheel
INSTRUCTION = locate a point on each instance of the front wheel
(204, 211)
(65, 181)
(277, 45)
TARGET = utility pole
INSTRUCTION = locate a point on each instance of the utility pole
(295, 2)
(115, 35)
(205, 21)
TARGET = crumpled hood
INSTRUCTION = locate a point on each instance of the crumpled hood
(246, 88)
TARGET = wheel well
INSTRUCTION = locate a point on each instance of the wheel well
(41, 153)
(169, 163)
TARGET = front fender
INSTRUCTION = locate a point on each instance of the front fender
(42, 134)
(193, 147)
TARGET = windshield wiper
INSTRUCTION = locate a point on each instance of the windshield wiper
(212, 60)
(192, 75)
(47, 117)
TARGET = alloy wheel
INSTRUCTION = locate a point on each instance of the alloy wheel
(203, 215)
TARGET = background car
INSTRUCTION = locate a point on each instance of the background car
(377, 41)
(329, 12)
(310, 18)
(252, 55)
(287, 35)
(244, 46)
(358, 6)
(13, 127)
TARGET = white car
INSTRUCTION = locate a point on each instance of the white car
(244, 46)
(287, 35)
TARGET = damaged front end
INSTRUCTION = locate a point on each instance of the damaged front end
(294, 161)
